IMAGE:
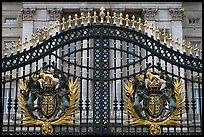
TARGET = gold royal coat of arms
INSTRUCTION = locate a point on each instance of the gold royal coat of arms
(48, 98)
(151, 105)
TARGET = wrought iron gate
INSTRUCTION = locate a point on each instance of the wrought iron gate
(102, 56)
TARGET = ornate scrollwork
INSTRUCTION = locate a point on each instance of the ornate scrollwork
(149, 105)
(56, 97)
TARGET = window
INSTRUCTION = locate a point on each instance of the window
(10, 21)
(198, 102)
(72, 48)
(193, 21)
(5, 98)
(193, 43)
(133, 49)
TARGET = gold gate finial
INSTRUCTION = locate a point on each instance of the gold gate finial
(12, 47)
(82, 18)
(140, 24)
(177, 43)
(190, 48)
(5, 49)
(57, 26)
(184, 46)
(164, 35)
(76, 20)
(108, 17)
(95, 17)
(127, 20)
(89, 18)
(158, 33)
(38, 35)
(133, 21)
(145, 27)
(25, 43)
(196, 50)
(152, 29)
(69, 21)
(121, 19)
(32, 40)
(50, 30)
(114, 18)
(102, 14)
(63, 23)
(18, 45)
(45, 33)
(201, 53)
(170, 41)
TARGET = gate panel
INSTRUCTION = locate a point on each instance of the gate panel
(102, 57)
(101, 108)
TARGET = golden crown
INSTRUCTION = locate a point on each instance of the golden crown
(153, 79)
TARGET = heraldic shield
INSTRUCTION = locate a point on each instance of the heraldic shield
(151, 105)
(48, 98)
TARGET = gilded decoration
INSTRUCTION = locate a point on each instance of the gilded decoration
(150, 105)
(47, 99)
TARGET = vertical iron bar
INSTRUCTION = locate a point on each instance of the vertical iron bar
(121, 85)
(9, 101)
(200, 100)
(3, 98)
(75, 44)
(81, 99)
(193, 102)
(186, 100)
(115, 93)
(87, 89)
(128, 70)
(16, 101)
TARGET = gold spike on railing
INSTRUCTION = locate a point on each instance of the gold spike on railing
(95, 17)
(82, 18)
(170, 41)
(158, 33)
(63, 23)
(127, 20)
(196, 50)
(19, 45)
(114, 18)
(184, 46)
(25, 43)
(201, 53)
(76, 20)
(190, 48)
(50, 30)
(69, 21)
(57, 26)
(32, 40)
(140, 24)
(164, 36)
(45, 33)
(12, 47)
(177, 43)
(89, 18)
(38, 35)
(145, 27)
(133, 21)
(152, 29)
(108, 18)
(5, 49)
(121, 19)
(102, 14)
